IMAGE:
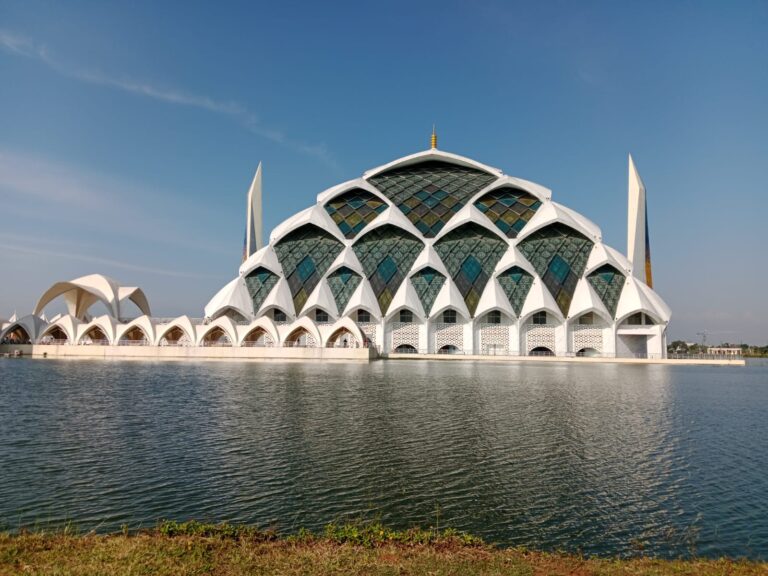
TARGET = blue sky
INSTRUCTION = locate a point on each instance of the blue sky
(129, 132)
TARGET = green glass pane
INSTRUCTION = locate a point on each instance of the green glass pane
(430, 193)
(608, 283)
(386, 254)
(508, 208)
(559, 255)
(259, 283)
(470, 254)
(305, 254)
(354, 210)
(343, 282)
(516, 283)
(427, 282)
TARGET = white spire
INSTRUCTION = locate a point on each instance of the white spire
(254, 237)
(638, 243)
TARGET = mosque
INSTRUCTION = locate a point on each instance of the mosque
(430, 254)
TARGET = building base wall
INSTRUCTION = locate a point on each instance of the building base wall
(318, 354)
(193, 352)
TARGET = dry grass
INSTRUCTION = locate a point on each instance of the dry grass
(338, 552)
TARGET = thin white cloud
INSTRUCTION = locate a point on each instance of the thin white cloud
(104, 261)
(25, 47)
(56, 196)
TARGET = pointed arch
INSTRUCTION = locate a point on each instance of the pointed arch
(94, 335)
(267, 337)
(55, 334)
(128, 332)
(300, 338)
(175, 335)
(220, 332)
(309, 327)
(16, 334)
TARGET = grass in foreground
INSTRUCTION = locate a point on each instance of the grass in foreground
(349, 549)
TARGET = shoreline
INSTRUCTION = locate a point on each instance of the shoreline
(297, 354)
(350, 549)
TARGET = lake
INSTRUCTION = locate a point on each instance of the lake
(603, 459)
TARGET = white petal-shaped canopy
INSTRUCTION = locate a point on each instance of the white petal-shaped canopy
(82, 293)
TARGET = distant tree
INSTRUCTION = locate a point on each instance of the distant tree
(677, 347)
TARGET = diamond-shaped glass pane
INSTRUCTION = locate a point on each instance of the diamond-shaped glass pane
(559, 255)
(470, 253)
(260, 283)
(354, 210)
(508, 208)
(343, 283)
(431, 192)
(305, 254)
(608, 282)
(387, 253)
(516, 283)
(427, 282)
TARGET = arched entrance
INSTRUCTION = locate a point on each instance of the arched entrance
(176, 336)
(258, 337)
(217, 337)
(343, 338)
(134, 337)
(94, 337)
(55, 336)
(541, 351)
(449, 349)
(406, 349)
(300, 338)
(588, 353)
(16, 335)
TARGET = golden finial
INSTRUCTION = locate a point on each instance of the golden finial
(433, 140)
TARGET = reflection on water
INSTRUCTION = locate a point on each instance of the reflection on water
(598, 458)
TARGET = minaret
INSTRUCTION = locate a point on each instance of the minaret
(253, 228)
(638, 243)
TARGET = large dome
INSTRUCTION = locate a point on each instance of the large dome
(436, 252)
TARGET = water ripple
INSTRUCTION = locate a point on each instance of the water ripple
(601, 459)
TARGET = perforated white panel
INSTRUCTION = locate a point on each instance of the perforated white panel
(586, 337)
(449, 335)
(369, 329)
(405, 333)
(539, 335)
(494, 339)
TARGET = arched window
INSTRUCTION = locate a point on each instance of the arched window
(321, 315)
(279, 315)
(493, 317)
(406, 316)
(449, 317)
(587, 319)
(363, 316)
(539, 317)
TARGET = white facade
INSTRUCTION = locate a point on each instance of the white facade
(430, 253)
